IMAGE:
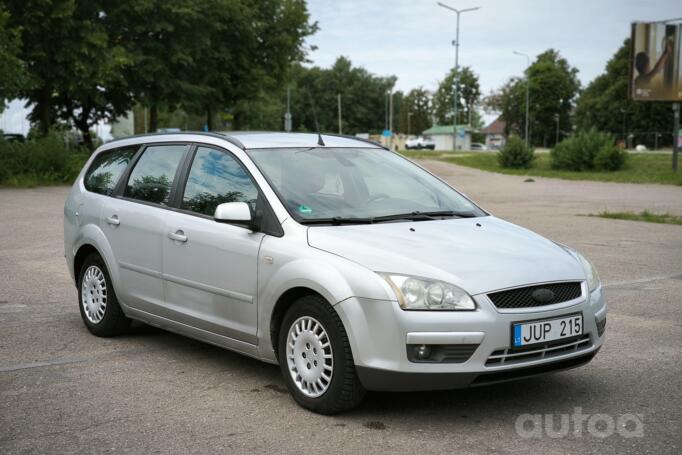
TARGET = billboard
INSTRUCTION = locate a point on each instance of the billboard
(656, 62)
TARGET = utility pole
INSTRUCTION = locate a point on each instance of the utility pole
(527, 90)
(287, 115)
(390, 118)
(456, 43)
(409, 114)
(339, 104)
(676, 133)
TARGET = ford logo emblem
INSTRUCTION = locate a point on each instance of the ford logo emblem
(543, 295)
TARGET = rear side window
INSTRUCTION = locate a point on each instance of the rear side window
(216, 178)
(152, 177)
(107, 168)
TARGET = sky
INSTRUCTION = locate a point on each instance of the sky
(412, 39)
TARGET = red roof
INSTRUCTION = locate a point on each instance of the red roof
(496, 127)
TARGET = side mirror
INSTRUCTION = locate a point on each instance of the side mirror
(238, 213)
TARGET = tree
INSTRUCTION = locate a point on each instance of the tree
(74, 67)
(417, 105)
(606, 106)
(554, 85)
(314, 93)
(469, 95)
(13, 74)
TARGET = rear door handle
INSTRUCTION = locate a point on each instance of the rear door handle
(178, 235)
(113, 220)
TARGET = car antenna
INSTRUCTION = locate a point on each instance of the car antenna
(317, 125)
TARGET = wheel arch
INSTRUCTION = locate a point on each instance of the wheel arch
(281, 307)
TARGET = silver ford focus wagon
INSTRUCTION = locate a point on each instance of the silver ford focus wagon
(348, 265)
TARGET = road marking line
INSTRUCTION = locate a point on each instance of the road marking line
(642, 280)
(24, 366)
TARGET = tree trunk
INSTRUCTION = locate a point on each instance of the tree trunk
(44, 111)
(153, 118)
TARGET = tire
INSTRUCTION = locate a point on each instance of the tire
(95, 287)
(343, 390)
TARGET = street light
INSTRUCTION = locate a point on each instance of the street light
(527, 88)
(454, 120)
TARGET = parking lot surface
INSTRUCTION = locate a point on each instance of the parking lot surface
(63, 390)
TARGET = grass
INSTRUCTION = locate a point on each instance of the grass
(649, 217)
(641, 167)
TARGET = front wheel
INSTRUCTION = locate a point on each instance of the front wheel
(316, 359)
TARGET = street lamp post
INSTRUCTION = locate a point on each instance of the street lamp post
(527, 89)
(454, 119)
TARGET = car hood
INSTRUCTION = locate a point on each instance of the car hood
(477, 254)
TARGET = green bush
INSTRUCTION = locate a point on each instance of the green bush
(41, 161)
(610, 158)
(587, 150)
(516, 154)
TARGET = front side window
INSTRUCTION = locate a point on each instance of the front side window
(107, 168)
(152, 177)
(356, 183)
(215, 178)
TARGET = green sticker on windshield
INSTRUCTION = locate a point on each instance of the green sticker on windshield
(304, 209)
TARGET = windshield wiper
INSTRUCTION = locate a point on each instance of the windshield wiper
(411, 216)
(423, 216)
(338, 220)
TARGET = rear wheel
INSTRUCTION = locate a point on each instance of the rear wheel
(315, 358)
(97, 300)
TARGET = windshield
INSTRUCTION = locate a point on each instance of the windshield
(358, 183)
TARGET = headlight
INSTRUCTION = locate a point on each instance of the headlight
(421, 294)
(590, 272)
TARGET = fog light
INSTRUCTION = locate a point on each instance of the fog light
(423, 352)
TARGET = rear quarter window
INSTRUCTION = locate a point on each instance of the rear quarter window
(107, 168)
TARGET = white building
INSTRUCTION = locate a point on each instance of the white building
(442, 136)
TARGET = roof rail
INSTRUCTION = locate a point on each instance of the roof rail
(361, 139)
(225, 136)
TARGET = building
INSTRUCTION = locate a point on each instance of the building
(494, 134)
(442, 136)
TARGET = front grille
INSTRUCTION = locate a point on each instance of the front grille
(523, 297)
(516, 373)
(513, 356)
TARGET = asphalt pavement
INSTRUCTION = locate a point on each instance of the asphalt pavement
(63, 390)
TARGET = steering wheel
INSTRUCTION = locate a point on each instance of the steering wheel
(378, 197)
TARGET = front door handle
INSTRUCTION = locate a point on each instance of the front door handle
(113, 220)
(178, 235)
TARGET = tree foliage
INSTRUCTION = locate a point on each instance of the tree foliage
(93, 60)
(417, 105)
(13, 74)
(605, 105)
(553, 87)
(469, 96)
(314, 92)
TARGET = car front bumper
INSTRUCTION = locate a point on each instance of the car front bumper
(478, 343)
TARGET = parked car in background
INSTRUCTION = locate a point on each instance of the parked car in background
(420, 142)
(12, 137)
(475, 146)
(348, 265)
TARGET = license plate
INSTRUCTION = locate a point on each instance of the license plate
(533, 332)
